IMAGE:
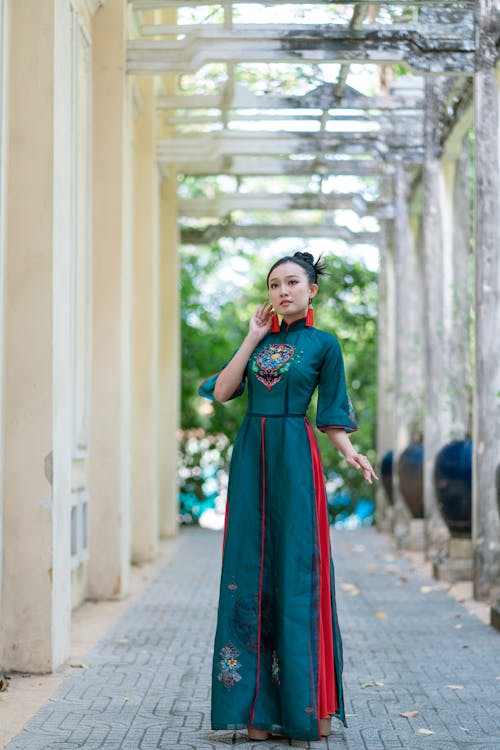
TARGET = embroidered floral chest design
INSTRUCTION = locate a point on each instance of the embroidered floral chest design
(273, 362)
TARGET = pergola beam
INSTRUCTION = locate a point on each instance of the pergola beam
(274, 231)
(321, 97)
(159, 4)
(223, 204)
(306, 44)
(212, 146)
(241, 166)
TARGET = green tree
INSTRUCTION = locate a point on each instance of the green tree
(215, 319)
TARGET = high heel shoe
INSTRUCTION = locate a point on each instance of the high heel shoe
(325, 726)
(258, 734)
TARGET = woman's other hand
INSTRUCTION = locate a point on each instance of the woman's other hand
(360, 462)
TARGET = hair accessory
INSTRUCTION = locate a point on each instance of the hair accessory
(310, 315)
(275, 324)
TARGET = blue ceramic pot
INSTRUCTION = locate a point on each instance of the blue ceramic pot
(453, 482)
(386, 474)
(411, 478)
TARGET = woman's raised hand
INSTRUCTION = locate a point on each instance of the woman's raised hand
(260, 322)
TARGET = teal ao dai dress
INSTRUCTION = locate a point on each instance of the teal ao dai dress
(277, 662)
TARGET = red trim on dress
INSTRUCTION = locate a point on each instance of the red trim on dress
(338, 427)
(328, 702)
(226, 517)
(261, 577)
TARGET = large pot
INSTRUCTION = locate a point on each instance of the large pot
(411, 478)
(386, 474)
(453, 482)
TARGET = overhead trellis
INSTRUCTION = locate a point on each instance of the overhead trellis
(219, 124)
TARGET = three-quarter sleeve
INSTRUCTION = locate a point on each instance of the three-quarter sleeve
(206, 388)
(335, 410)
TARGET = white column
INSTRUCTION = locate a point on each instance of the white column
(37, 393)
(109, 450)
(144, 440)
(3, 178)
(169, 353)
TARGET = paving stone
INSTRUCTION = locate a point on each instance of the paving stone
(147, 685)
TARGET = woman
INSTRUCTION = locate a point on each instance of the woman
(278, 654)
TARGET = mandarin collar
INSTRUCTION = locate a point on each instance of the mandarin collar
(294, 326)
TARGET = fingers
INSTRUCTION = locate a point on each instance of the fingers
(263, 313)
(361, 463)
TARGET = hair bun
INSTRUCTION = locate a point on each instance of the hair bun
(318, 266)
(306, 257)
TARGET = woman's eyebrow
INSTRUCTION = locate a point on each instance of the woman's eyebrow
(290, 276)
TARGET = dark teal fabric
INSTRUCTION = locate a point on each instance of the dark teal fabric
(265, 666)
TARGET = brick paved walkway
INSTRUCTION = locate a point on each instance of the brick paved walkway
(408, 647)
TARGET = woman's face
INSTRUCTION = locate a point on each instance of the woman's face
(290, 291)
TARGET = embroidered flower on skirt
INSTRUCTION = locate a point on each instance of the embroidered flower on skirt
(275, 670)
(271, 363)
(229, 666)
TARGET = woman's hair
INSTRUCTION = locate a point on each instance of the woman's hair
(304, 260)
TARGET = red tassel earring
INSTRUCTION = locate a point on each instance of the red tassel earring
(310, 315)
(275, 324)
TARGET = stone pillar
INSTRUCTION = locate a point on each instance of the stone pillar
(486, 523)
(169, 353)
(446, 249)
(409, 354)
(37, 379)
(144, 419)
(385, 371)
(437, 414)
(109, 449)
(456, 201)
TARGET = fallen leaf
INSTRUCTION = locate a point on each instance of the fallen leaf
(381, 615)
(4, 684)
(426, 589)
(350, 588)
(410, 714)
(458, 627)
(371, 684)
(126, 698)
(464, 729)
(372, 566)
(4, 697)
(79, 666)
(424, 731)
(455, 687)
(121, 640)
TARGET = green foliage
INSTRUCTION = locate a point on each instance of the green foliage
(215, 316)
